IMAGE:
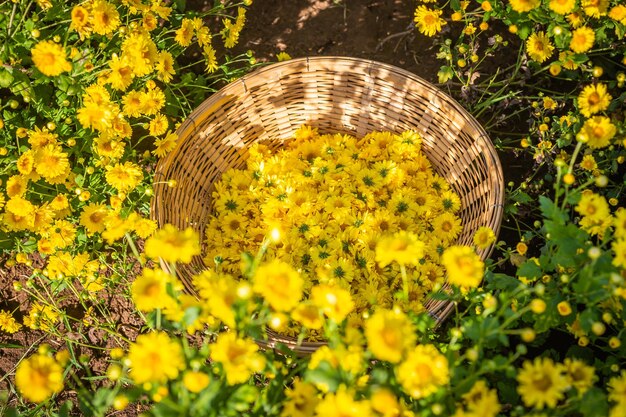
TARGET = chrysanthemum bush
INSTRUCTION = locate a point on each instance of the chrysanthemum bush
(91, 94)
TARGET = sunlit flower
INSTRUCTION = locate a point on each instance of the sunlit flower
(463, 266)
(617, 388)
(80, 21)
(484, 237)
(336, 303)
(539, 47)
(618, 13)
(165, 66)
(239, 357)
(389, 335)
(428, 21)
(104, 17)
(196, 381)
(423, 371)
(595, 8)
(49, 58)
(158, 125)
(154, 357)
(39, 377)
(211, 61)
(149, 291)
(301, 399)
(593, 98)
(522, 6)
(562, 7)
(279, 284)
(185, 33)
(93, 216)
(165, 144)
(120, 74)
(403, 247)
(582, 39)
(173, 245)
(342, 404)
(598, 131)
(8, 323)
(124, 177)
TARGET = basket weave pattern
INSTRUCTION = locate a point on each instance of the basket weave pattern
(334, 94)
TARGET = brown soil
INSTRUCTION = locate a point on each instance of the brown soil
(380, 30)
(374, 29)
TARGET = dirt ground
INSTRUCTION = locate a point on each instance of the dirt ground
(372, 29)
(381, 30)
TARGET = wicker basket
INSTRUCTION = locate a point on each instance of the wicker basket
(334, 94)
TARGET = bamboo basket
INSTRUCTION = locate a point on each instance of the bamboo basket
(334, 94)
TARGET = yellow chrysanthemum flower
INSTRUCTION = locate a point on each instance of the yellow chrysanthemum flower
(165, 66)
(481, 400)
(595, 8)
(484, 237)
(617, 388)
(120, 74)
(618, 13)
(619, 249)
(562, 7)
(300, 399)
(124, 177)
(598, 132)
(141, 52)
(336, 303)
(154, 357)
(149, 291)
(239, 357)
(165, 144)
(196, 381)
(41, 317)
(279, 284)
(593, 99)
(104, 17)
(80, 21)
(542, 383)
(8, 323)
(539, 47)
(342, 404)
(185, 33)
(389, 335)
(619, 223)
(582, 39)
(580, 375)
(173, 245)
(39, 377)
(52, 163)
(423, 371)
(50, 59)
(428, 21)
(93, 217)
(403, 247)
(463, 266)
(522, 6)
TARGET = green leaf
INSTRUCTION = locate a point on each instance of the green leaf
(594, 403)
(551, 211)
(324, 375)
(502, 281)
(529, 270)
(524, 31)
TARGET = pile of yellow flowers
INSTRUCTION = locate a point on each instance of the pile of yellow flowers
(341, 207)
